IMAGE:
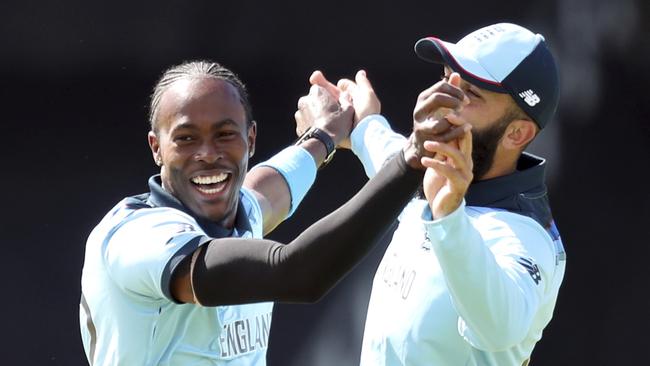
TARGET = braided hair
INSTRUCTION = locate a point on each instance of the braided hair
(196, 69)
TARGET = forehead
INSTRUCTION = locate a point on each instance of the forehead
(200, 99)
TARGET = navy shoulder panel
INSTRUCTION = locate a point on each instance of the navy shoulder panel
(137, 202)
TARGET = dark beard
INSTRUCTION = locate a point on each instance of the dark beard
(484, 147)
(485, 143)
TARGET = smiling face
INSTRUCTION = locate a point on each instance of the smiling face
(203, 142)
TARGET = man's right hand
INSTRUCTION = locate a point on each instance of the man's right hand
(430, 122)
(321, 109)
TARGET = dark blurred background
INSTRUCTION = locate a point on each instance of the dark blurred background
(75, 82)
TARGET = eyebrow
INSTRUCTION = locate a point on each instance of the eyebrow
(191, 126)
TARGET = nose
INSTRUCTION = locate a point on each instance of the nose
(208, 153)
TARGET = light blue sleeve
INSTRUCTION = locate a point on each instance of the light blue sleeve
(141, 252)
(499, 268)
(298, 169)
(374, 142)
(253, 212)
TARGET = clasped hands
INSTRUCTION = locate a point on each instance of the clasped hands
(441, 141)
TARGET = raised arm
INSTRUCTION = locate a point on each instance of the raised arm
(322, 254)
(235, 270)
(281, 182)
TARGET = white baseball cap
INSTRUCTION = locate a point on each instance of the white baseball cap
(504, 58)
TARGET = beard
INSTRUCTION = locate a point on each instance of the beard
(485, 143)
(484, 146)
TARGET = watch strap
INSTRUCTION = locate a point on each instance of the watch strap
(323, 137)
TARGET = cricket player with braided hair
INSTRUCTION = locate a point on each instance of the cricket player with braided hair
(179, 275)
(473, 271)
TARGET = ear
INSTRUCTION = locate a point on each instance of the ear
(252, 134)
(518, 134)
(154, 144)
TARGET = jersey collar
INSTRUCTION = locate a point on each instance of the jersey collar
(158, 197)
(522, 192)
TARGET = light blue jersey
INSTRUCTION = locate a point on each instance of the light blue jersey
(127, 314)
(476, 287)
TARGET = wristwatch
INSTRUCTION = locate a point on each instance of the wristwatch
(322, 136)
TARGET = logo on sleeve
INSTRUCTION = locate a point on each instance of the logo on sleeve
(184, 228)
(532, 269)
(426, 244)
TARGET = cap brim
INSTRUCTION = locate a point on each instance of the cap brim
(434, 50)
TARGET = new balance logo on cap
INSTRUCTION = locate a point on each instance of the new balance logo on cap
(530, 97)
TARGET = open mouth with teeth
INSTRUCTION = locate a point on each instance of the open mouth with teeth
(211, 184)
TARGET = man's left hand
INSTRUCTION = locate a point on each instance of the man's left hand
(449, 174)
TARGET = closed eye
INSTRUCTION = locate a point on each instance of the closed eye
(473, 93)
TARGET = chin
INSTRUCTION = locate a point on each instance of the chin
(219, 215)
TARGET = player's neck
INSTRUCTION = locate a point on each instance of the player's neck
(504, 163)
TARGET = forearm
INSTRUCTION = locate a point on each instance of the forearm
(374, 142)
(266, 182)
(329, 123)
(280, 183)
(233, 271)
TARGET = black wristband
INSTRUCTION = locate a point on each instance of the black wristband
(322, 136)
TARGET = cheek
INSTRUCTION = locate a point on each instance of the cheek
(175, 161)
(243, 164)
(475, 116)
(239, 156)
(168, 151)
(176, 155)
(238, 150)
